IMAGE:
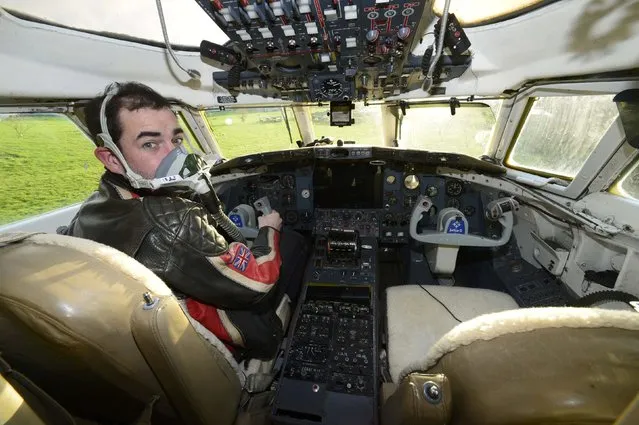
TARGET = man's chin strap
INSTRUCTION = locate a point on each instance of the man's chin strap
(136, 180)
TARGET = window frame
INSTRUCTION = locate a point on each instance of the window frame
(604, 161)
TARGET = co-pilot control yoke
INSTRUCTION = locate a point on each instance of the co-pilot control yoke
(442, 244)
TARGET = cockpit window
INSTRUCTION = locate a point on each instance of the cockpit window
(46, 163)
(473, 12)
(244, 131)
(434, 128)
(367, 129)
(628, 185)
(191, 143)
(559, 133)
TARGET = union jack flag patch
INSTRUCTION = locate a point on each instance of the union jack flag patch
(242, 258)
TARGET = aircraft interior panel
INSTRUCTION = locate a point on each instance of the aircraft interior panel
(356, 206)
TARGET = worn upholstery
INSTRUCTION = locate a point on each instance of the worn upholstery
(72, 319)
(416, 320)
(555, 365)
(14, 410)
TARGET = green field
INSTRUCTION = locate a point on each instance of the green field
(45, 163)
(241, 132)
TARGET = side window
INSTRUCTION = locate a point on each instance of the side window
(628, 185)
(192, 144)
(244, 131)
(46, 163)
(559, 133)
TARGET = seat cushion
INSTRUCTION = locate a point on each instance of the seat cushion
(416, 320)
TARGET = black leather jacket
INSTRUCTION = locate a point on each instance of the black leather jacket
(175, 237)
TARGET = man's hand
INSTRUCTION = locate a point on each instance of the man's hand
(272, 220)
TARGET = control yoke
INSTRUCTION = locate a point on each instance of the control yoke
(452, 226)
(244, 218)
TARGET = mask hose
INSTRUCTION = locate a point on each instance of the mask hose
(214, 205)
(181, 169)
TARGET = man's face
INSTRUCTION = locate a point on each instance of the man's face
(148, 135)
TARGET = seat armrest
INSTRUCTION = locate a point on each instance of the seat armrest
(199, 382)
(410, 405)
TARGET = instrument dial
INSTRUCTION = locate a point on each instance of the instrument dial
(288, 181)
(409, 201)
(331, 88)
(453, 203)
(454, 188)
(469, 211)
(432, 191)
(390, 179)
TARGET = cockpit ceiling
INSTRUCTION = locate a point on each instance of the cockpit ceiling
(571, 38)
(186, 22)
(473, 13)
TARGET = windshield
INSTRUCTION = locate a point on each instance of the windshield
(243, 131)
(434, 128)
(366, 130)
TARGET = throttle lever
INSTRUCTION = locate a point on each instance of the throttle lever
(495, 209)
(263, 205)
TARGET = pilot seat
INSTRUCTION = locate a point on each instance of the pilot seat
(108, 340)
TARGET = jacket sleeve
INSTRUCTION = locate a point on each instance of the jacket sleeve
(193, 258)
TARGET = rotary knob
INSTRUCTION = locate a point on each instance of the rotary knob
(403, 33)
(372, 36)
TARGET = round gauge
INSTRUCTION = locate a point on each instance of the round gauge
(287, 199)
(331, 88)
(469, 211)
(432, 191)
(306, 193)
(391, 179)
(454, 188)
(409, 201)
(290, 217)
(287, 181)
(453, 203)
(411, 182)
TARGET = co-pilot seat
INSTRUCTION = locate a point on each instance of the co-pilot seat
(503, 364)
(74, 319)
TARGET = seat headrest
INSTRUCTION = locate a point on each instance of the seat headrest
(491, 326)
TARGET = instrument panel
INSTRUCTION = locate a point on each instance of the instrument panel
(318, 50)
(375, 200)
(403, 188)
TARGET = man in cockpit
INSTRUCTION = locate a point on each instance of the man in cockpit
(231, 289)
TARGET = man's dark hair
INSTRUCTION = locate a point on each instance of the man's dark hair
(129, 95)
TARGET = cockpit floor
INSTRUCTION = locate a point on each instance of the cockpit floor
(506, 271)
